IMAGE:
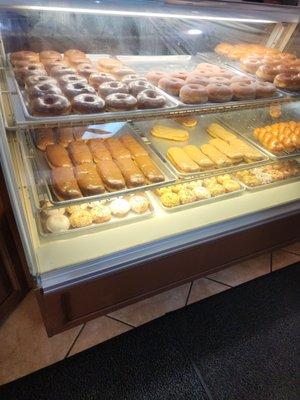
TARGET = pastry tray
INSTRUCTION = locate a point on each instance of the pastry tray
(199, 203)
(42, 172)
(171, 102)
(198, 136)
(130, 218)
(143, 64)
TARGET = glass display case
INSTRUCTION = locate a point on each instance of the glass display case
(133, 133)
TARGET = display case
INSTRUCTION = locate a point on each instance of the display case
(146, 144)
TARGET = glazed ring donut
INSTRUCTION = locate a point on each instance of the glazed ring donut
(272, 61)
(74, 89)
(219, 93)
(97, 78)
(205, 71)
(51, 104)
(264, 89)
(225, 73)
(24, 72)
(198, 79)
(193, 94)
(112, 87)
(21, 63)
(179, 75)
(87, 104)
(288, 81)
(120, 101)
(223, 48)
(219, 79)
(120, 72)
(30, 56)
(244, 79)
(86, 70)
(108, 64)
(287, 56)
(251, 64)
(243, 91)
(37, 79)
(286, 68)
(266, 73)
(295, 64)
(61, 70)
(74, 52)
(155, 76)
(208, 67)
(71, 78)
(49, 55)
(135, 87)
(42, 89)
(149, 98)
(49, 64)
(133, 77)
(75, 61)
(171, 85)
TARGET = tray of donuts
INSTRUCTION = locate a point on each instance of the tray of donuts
(266, 64)
(94, 215)
(196, 82)
(74, 167)
(51, 84)
(199, 146)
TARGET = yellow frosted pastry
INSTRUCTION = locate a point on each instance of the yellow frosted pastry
(100, 214)
(76, 207)
(181, 160)
(223, 178)
(216, 190)
(80, 218)
(217, 131)
(225, 148)
(161, 191)
(187, 196)
(231, 186)
(187, 121)
(170, 199)
(166, 132)
(215, 155)
(210, 181)
(250, 154)
(196, 155)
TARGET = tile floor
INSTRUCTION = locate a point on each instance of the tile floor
(25, 347)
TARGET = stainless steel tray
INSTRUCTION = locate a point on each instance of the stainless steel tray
(130, 218)
(269, 185)
(198, 136)
(42, 172)
(170, 104)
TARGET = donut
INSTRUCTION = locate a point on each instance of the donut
(264, 89)
(133, 77)
(272, 61)
(97, 78)
(30, 56)
(135, 87)
(286, 68)
(48, 55)
(111, 87)
(108, 64)
(171, 85)
(225, 73)
(74, 89)
(295, 64)
(86, 70)
(51, 104)
(119, 72)
(179, 75)
(36, 79)
(41, 89)
(287, 56)
(70, 78)
(208, 67)
(26, 71)
(198, 79)
(204, 71)
(149, 98)
(193, 94)
(223, 48)
(87, 104)
(74, 52)
(120, 101)
(251, 64)
(243, 91)
(49, 64)
(289, 81)
(155, 76)
(219, 93)
(21, 63)
(219, 79)
(61, 70)
(266, 73)
(75, 61)
(244, 79)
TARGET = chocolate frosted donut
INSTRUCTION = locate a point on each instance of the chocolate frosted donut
(111, 87)
(149, 98)
(87, 104)
(97, 78)
(37, 79)
(135, 87)
(120, 101)
(193, 94)
(264, 89)
(72, 78)
(86, 70)
(219, 93)
(41, 89)
(49, 64)
(51, 104)
(243, 91)
(30, 69)
(171, 85)
(61, 70)
(155, 76)
(74, 89)
(129, 78)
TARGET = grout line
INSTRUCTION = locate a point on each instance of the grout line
(189, 292)
(221, 283)
(75, 340)
(119, 320)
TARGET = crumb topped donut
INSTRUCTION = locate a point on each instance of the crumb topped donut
(51, 104)
(171, 85)
(193, 94)
(87, 104)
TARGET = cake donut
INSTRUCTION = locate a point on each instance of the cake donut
(198, 79)
(36, 79)
(135, 87)
(120, 101)
(74, 89)
(87, 104)
(251, 64)
(219, 79)
(70, 78)
(171, 85)
(97, 78)
(179, 75)
(218, 92)
(155, 76)
(208, 67)
(129, 78)
(243, 91)
(111, 87)
(225, 73)
(193, 94)
(266, 73)
(61, 70)
(50, 104)
(108, 64)
(243, 79)
(289, 81)
(42, 89)
(264, 89)
(85, 70)
(149, 98)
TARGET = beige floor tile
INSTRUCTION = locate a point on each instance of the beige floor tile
(295, 247)
(97, 331)
(203, 288)
(244, 271)
(283, 258)
(154, 307)
(24, 344)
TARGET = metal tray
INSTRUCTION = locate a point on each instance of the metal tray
(130, 218)
(269, 185)
(171, 102)
(198, 136)
(42, 172)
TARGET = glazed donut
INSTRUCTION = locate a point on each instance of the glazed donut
(266, 73)
(120, 101)
(272, 61)
(30, 56)
(48, 65)
(171, 85)
(112, 87)
(219, 79)
(286, 68)
(21, 63)
(86, 70)
(119, 73)
(74, 89)
(74, 52)
(244, 79)
(251, 64)
(264, 89)
(51, 104)
(179, 75)
(219, 93)
(75, 61)
(243, 91)
(87, 104)
(193, 94)
(198, 79)
(225, 73)
(61, 70)
(108, 64)
(42, 89)
(223, 48)
(37, 79)
(208, 67)
(97, 78)
(155, 76)
(289, 81)
(295, 64)
(24, 72)
(71, 78)
(135, 87)
(149, 98)
(287, 56)
(50, 55)
(129, 78)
